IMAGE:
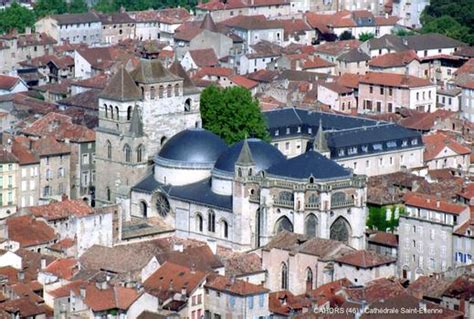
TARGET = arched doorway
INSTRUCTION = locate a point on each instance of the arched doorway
(340, 230)
(283, 223)
(144, 209)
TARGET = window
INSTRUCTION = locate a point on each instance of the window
(250, 302)
(61, 172)
(377, 147)
(352, 150)
(176, 90)
(390, 91)
(199, 223)
(381, 90)
(85, 159)
(109, 150)
(161, 91)
(152, 93)
(225, 229)
(371, 89)
(117, 112)
(140, 151)
(211, 221)
(129, 113)
(284, 276)
(128, 153)
(309, 279)
(391, 144)
(169, 90)
(261, 300)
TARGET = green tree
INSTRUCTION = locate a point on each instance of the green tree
(16, 17)
(77, 6)
(403, 32)
(365, 36)
(346, 35)
(46, 7)
(232, 113)
(448, 26)
(105, 6)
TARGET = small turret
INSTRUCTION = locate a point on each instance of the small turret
(320, 143)
(245, 165)
(136, 124)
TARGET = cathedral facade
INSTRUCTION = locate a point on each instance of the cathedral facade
(241, 196)
(138, 112)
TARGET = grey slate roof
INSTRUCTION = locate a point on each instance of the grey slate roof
(150, 185)
(208, 23)
(201, 192)
(76, 18)
(152, 71)
(245, 156)
(354, 55)
(431, 41)
(121, 87)
(309, 164)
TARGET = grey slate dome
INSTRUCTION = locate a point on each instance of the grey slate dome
(196, 146)
(263, 154)
(309, 164)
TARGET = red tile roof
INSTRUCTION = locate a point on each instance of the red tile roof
(243, 82)
(396, 59)
(284, 302)
(23, 153)
(204, 57)
(63, 268)
(61, 128)
(171, 278)
(214, 71)
(349, 80)
(375, 290)
(233, 286)
(29, 232)
(256, 22)
(425, 121)
(216, 5)
(395, 80)
(468, 191)
(8, 82)
(432, 203)
(383, 238)
(365, 259)
(329, 292)
(63, 209)
(338, 47)
(437, 142)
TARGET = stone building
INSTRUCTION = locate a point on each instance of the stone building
(241, 196)
(116, 27)
(8, 183)
(138, 112)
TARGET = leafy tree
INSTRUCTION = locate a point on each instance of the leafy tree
(448, 26)
(365, 36)
(16, 17)
(46, 7)
(77, 6)
(377, 218)
(403, 32)
(105, 6)
(232, 113)
(346, 35)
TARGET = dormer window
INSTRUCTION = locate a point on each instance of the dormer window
(310, 130)
(414, 141)
(287, 130)
(277, 132)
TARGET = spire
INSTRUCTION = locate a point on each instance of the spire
(320, 142)
(245, 156)
(208, 23)
(136, 125)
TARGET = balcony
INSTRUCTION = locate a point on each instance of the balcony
(343, 203)
(254, 198)
(312, 205)
(285, 203)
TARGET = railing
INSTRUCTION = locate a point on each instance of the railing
(344, 203)
(285, 203)
(312, 205)
(254, 198)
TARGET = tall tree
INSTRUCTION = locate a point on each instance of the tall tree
(16, 17)
(448, 26)
(232, 113)
(365, 36)
(46, 7)
(77, 6)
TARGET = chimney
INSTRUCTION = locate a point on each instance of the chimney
(212, 245)
(437, 203)
(183, 291)
(178, 247)
(82, 291)
(43, 263)
(21, 275)
(64, 197)
(28, 30)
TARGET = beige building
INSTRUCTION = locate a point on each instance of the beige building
(388, 92)
(19, 47)
(443, 151)
(116, 27)
(28, 176)
(8, 183)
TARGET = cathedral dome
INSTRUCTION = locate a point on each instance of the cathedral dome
(263, 154)
(193, 146)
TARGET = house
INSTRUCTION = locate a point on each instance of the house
(178, 289)
(405, 62)
(81, 141)
(467, 100)
(159, 24)
(383, 243)
(239, 80)
(16, 47)
(11, 85)
(449, 99)
(443, 151)
(260, 55)
(337, 97)
(409, 12)
(426, 234)
(72, 28)
(75, 219)
(30, 233)
(54, 68)
(297, 31)
(9, 183)
(220, 10)
(303, 62)
(354, 61)
(363, 266)
(28, 180)
(116, 27)
(330, 51)
(196, 59)
(463, 240)
(458, 295)
(387, 92)
(229, 296)
(284, 304)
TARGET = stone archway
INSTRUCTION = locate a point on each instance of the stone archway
(283, 223)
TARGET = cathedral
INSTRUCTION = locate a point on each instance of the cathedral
(138, 112)
(154, 158)
(241, 196)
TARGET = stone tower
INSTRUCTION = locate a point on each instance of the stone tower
(320, 141)
(138, 112)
